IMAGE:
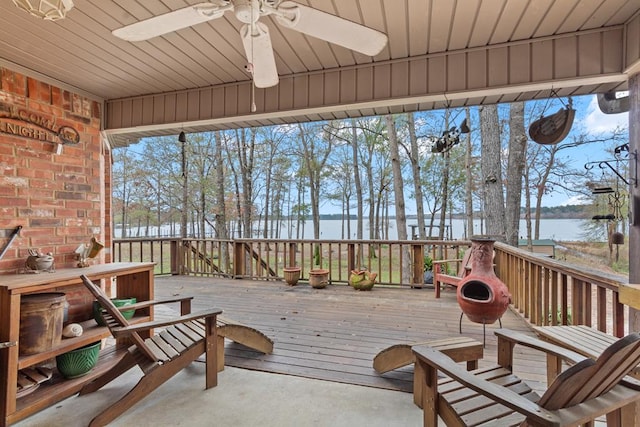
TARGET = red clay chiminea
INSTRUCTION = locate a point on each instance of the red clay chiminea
(482, 296)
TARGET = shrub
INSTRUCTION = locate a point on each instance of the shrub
(428, 263)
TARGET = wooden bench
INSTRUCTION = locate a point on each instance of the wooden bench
(242, 334)
(460, 349)
(582, 339)
(441, 278)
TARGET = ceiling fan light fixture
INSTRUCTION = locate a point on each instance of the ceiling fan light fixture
(247, 11)
(50, 10)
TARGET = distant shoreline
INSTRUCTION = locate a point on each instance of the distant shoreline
(580, 212)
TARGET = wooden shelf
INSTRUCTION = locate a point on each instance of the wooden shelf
(59, 388)
(92, 332)
(131, 279)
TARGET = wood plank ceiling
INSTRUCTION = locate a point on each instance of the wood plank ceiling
(81, 52)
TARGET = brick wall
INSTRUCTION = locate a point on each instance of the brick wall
(61, 200)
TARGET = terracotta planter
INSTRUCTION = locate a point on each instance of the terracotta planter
(482, 296)
(291, 275)
(319, 278)
(362, 280)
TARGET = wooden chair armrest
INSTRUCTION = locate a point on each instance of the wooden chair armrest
(138, 327)
(149, 303)
(630, 382)
(537, 344)
(443, 363)
(444, 261)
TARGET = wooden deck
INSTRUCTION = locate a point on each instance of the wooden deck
(333, 333)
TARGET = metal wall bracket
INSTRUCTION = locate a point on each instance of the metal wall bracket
(621, 153)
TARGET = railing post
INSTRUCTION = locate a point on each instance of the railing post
(417, 252)
(238, 259)
(351, 257)
(618, 316)
(176, 256)
(291, 262)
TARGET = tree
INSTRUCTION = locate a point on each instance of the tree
(398, 190)
(445, 183)
(357, 181)
(342, 174)
(515, 169)
(468, 164)
(492, 171)
(220, 209)
(317, 144)
(242, 167)
(202, 152)
(414, 158)
(272, 139)
(122, 185)
(185, 187)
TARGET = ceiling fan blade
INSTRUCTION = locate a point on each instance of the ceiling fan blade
(331, 28)
(172, 21)
(257, 47)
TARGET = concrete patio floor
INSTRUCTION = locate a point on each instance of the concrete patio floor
(242, 398)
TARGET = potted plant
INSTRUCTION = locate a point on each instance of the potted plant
(362, 280)
(319, 277)
(291, 275)
(428, 269)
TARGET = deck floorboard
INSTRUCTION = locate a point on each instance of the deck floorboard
(334, 333)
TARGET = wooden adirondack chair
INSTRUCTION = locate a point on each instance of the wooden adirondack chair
(588, 389)
(159, 357)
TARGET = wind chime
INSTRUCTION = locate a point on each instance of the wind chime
(615, 199)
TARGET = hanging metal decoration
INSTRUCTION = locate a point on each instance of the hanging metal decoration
(621, 153)
(553, 128)
(449, 138)
(616, 199)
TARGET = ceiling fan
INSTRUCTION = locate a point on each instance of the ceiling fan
(255, 34)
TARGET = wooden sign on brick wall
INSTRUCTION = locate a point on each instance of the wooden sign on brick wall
(21, 122)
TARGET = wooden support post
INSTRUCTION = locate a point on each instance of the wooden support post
(418, 265)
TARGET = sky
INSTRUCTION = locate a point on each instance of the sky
(590, 119)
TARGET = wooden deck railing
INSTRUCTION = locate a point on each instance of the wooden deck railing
(545, 291)
(550, 292)
(264, 259)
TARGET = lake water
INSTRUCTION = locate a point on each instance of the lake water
(556, 229)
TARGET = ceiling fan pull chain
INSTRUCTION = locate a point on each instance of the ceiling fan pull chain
(253, 97)
(253, 81)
